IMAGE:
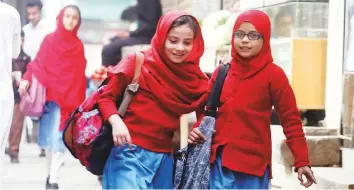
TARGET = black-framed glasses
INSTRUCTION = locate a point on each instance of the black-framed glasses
(251, 35)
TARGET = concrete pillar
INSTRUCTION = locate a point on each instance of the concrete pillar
(334, 75)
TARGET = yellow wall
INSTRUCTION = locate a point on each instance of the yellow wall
(309, 72)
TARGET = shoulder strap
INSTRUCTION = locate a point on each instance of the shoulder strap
(214, 97)
(133, 87)
(138, 62)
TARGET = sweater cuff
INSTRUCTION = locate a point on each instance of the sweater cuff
(298, 165)
(298, 148)
(107, 109)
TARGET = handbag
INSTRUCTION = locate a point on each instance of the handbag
(192, 163)
(32, 102)
(86, 135)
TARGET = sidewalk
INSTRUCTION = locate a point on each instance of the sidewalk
(31, 172)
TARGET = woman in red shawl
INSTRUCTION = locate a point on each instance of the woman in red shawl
(171, 84)
(60, 67)
(241, 148)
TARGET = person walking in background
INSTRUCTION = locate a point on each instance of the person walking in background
(241, 147)
(60, 67)
(171, 84)
(148, 14)
(10, 40)
(18, 68)
(35, 31)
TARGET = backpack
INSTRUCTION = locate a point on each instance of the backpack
(87, 136)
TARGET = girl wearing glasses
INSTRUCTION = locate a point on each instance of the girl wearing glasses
(241, 149)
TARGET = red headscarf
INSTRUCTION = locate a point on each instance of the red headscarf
(244, 67)
(60, 66)
(179, 88)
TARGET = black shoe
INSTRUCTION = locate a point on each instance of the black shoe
(47, 182)
(42, 154)
(100, 179)
(14, 159)
(52, 186)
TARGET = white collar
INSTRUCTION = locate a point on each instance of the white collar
(39, 24)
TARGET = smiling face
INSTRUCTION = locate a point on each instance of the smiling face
(71, 18)
(247, 41)
(179, 43)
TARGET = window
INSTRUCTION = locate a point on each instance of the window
(101, 17)
(295, 19)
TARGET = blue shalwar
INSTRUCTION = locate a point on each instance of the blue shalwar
(137, 169)
(223, 178)
(49, 136)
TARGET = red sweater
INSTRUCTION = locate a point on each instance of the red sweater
(243, 121)
(150, 126)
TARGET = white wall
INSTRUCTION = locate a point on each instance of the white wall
(334, 75)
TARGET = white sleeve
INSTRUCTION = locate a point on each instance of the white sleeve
(16, 40)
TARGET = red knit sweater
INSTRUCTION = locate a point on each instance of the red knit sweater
(243, 121)
(150, 126)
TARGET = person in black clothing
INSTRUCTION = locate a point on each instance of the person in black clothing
(130, 14)
(148, 14)
(18, 68)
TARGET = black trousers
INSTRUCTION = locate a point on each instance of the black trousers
(112, 52)
(313, 117)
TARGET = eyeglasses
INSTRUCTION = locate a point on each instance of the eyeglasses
(251, 36)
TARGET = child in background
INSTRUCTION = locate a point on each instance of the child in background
(96, 79)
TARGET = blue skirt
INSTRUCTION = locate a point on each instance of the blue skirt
(223, 178)
(137, 169)
(49, 136)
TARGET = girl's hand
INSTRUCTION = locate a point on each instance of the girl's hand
(120, 132)
(23, 87)
(196, 137)
(305, 170)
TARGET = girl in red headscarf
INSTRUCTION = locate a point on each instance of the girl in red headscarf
(241, 149)
(171, 84)
(60, 67)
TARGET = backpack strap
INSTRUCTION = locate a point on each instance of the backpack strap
(211, 109)
(138, 63)
(133, 87)
(213, 102)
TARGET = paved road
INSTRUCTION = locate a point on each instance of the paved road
(31, 172)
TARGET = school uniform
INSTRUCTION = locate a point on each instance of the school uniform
(241, 156)
(60, 67)
(166, 91)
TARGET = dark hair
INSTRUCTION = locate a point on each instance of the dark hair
(283, 13)
(38, 4)
(186, 19)
(22, 34)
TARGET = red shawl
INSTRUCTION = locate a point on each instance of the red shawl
(246, 67)
(60, 66)
(179, 88)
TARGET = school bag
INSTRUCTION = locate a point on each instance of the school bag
(32, 102)
(192, 163)
(87, 137)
